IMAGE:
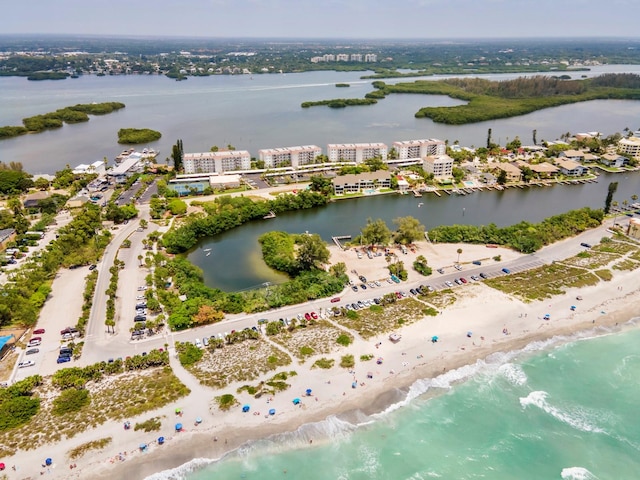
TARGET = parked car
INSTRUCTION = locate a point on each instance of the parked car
(475, 278)
(31, 351)
(484, 276)
(70, 330)
(26, 363)
(457, 281)
(63, 359)
(585, 245)
(307, 316)
(440, 271)
(336, 299)
(506, 270)
(354, 288)
(363, 286)
(140, 318)
(93, 267)
(314, 315)
(448, 283)
(34, 342)
(413, 291)
(362, 278)
(39, 331)
(205, 341)
(198, 343)
(463, 280)
(457, 267)
(430, 288)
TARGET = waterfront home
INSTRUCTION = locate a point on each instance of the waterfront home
(77, 201)
(7, 235)
(542, 169)
(513, 172)
(356, 183)
(32, 200)
(634, 228)
(403, 185)
(570, 168)
(574, 155)
(614, 160)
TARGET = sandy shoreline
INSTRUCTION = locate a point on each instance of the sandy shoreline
(482, 310)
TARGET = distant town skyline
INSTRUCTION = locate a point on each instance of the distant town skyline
(365, 19)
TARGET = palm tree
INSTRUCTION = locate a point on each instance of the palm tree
(614, 204)
(459, 252)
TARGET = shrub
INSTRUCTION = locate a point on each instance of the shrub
(366, 358)
(344, 340)
(306, 351)
(151, 425)
(188, 353)
(325, 363)
(70, 400)
(347, 361)
(226, 401)
(17, 411)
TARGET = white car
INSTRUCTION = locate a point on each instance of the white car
(198, 343)
(448, 283)
(26, 363)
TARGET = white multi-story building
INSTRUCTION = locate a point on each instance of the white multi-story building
(371, 57)
(419, 148)
(355, 152)
(342, 57)
(440, 165)
(289, 156)
(630, 146)
(356, 57)
(223, 161)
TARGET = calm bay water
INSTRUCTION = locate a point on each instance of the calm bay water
(234, 261)
(263, 111)
(564, 412)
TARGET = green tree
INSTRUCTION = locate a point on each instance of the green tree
(535, 134)
(376, 232)
(177, 207)
(613, 186)
(502, 177)
(409, 230)
(312, 251)
(458, 174)
(177, 155)
(489, 143)
(41, 183)
(321, 184)
(375, 163)
(459, 252)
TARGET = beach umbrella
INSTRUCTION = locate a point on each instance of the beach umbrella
(296, 401)
(178, 411)
(308, 392)
(354, 384)
(434, 339)
(2, 466)
(198, 420)
(369, 374)
(469, 333)
(547, 316)
(48, 461)
(573, 307)
(379, 361)
(272, 411)
(143, 446)
(178, 427)
(246, 408)
(160, 440)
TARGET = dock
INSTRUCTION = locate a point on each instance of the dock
(337, 239)
(437, 193)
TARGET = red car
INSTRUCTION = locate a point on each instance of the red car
(307, 316)
(463, 280)
(39, 331)
(335, 299)
(314, 315)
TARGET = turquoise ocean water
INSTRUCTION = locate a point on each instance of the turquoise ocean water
(558, 410)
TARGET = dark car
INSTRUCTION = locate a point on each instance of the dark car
(354, 288)
(63, 359)
(506, 270)
(585, 245)
(70, 330)
(139, 318)
(363, 279)
(483, 275)
(31, 351)
(39, 331)
(413, 291)
(440, 270)
(65, 354)
(93, 267)
(363, 286)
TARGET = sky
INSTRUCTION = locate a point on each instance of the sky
(366, 19)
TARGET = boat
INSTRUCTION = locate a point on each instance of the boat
(269, 215)
(206, 250)
(207, 254)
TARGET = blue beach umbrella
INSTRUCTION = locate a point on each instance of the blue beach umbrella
(296, 401)
(178, 427)
(272, 411)
(308, 392)
(246, 408)
(160, 440)
(48, 461)
(198, 420)
(434, 339)
(469, 333)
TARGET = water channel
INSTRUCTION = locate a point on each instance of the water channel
(235, 261)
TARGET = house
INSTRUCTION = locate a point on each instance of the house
(613, 160)
(513, 172)
(32, 200)
(542, 170)
(77, 201)
(570, 168)
(488, 179)
(590, 158)
(7, 235)
(355, 183)
(575, 155)
(403, 185)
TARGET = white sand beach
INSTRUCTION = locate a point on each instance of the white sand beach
(497, 322)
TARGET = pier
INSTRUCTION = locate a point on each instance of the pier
(337, 239)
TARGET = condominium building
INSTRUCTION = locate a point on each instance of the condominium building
(289, 156)
(440, 165)
(223, 161)
(354, 183)
(356, 57)
(355, 152)
(630, 146)
(342, 57)
(419, 148)
(371, 57)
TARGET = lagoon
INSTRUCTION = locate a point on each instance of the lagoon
(235, 261)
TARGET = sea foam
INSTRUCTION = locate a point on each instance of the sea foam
(577, 473)
(181, 472)
(575, 418)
